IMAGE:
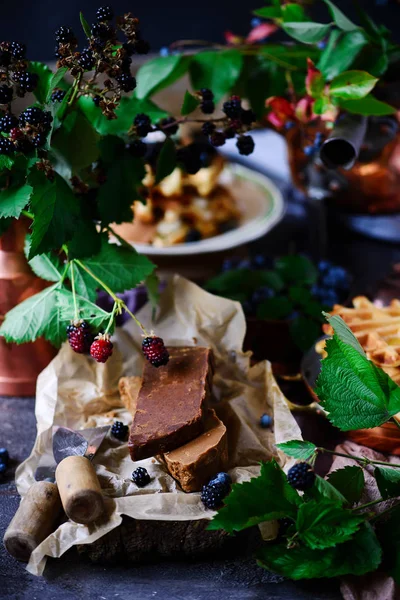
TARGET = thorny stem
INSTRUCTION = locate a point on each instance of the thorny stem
(360, 459)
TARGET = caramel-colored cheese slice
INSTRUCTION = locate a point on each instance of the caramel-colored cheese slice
(171, 403)
(195, 463)
(128, 390)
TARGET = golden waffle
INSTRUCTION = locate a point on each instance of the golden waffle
(377, 329)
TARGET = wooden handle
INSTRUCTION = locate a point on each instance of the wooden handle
(79, 489)
(34, 520)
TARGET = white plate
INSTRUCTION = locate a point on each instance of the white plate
(260, 203)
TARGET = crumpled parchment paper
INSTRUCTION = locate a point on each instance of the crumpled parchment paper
(75, 391)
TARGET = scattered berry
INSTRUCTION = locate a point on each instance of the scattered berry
(102, 348)
(80, 337)
(104, 13)
(265, 421)
(195, 156)
(301, 476)
(17, 50)
(208, 128)
(232, 107)
(169, 125)
(126, 82)
(263, 293)
(4, 456)
(137, 148)
(223, 479)
(86, 60)
(65, 35)
(6, 94)
(97, 100)
(338, 278)
(212, 495)
(141, 477)
(207, 107)
(142, 123)
(58, 95)
(155, 351)
(8, 122)
(217, 138)
(245, 144)
(119, 430)
(193, 235)
(6, 147)
(255, 22)
(27, 82)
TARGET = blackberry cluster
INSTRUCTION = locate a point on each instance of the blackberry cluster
(155, 351)
(86, 59)
(208, 128)
(8, 122)
(26, 82)
(140, 477)
(233, 107)
(6, 147)
(4, 460)
(126, 82)
(142, 124)
(104, 13)
(195, 156)
(120, 431)
(14, 68)
(36, 117)
(207, 105)
(79, 336)
(58, 95)
(301, 476)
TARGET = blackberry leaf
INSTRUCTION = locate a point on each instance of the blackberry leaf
(217, 71)
(349, 481)
(44, 77)
(388, 481)
(47, 266)
(93, 314)
(13, 200)
(82, 154)
(85, 285)
(159, 73)
(55, 81)
(297, 448)
(340, 18)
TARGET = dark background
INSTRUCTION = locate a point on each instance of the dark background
(34, 21)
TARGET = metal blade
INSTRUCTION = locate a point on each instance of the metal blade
(94, 437)
(67, 442)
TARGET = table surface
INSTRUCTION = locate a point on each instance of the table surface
(240, 578)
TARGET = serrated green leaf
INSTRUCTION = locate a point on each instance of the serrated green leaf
(340, 18)
(81, 155)
(368, 106)
(352, 85)
(389, 536)
(297, 448)
(166, 161)
(56, 79)
(14, 199)
(263, 498)
(119, 268)
(306, 32)
(217, 71)
(38, 316)
(349, 481)
(93, 314)
(44, 77)
(323, 489)
(388, 481)
(344, 333)
(278, 307)
(85, 25)
(358, 556)
(85, 285)
(86, 240)
(190, 103)
(47, 266)
(159, 73)
(296, 269)
(6, 162)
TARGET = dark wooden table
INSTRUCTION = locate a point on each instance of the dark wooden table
(236, 578)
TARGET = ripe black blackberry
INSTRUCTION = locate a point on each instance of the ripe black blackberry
(232, 107)
(64, 35)
(189, 159)
(97, 100)
(137, 148)
(102, 31)
(245, 144)
(141, 47)
(79, 336)
(39, 140)
(217, 138)
(26, 82)
(208, 128)
(6, 94)
(142, 123)
(6, 147)
(31, 116)
(213, 494)
(206, 94)
(5, 58)
(141, 477)
(104, 13)
(247, 116)
(169, 125)
(8, 122)
(155, 351)
(301, 476)
(47, 120)
(58, 95)
(120, 431)
(86, 59)
(17, 50)
(207, 107)
(229, 132)
(24, 145)
(126, 82)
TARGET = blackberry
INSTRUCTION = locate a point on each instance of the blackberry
(65, 35)
(284, 524)
(4, 456)
(141, 477)
(213, 494)
(58, 95)
(32, 116)
(101, 30)
(86, 59)
(232, 107)
(169, 126)
(104, 13)
(247, 116)
(79, 336)
(126, 65)
(5, 58)
(222, 479)
(27, 82)
(47, 120)
(338, 278)
(18, 50)
(206, 94)
(208, 128)
(137, 148)
(6, 94)
(189, 160)
(193, 235)
(217, 138)
(155, 351)
(97, 100)
(39, 140)
(142, 123)
(265, 421)
(229, 132)
(245, 144)
(120, 431)
(207, 107)
(24, 145)
(8, 122)
(6, 147)
(126, 82)
(102, 348)
(301, 476)
(263, 293)
(98, 45)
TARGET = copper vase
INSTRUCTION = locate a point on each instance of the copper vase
(20, 365)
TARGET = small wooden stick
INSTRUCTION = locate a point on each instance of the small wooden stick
(34, 520)
(79, 489)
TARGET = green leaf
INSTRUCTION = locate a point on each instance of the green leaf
(152, 284)
(246, 280)
(306, 32)
(389, 536)
(55, 208)
(388, 481)
(340, 18)
(358, 556)
(166, 161)
(296, 269)
(86, 240)
(56, 79)
(119, 268)
(304, 331)
(85, 285)
(160, 73)
(263, 498)
(4, 225)
(323, 489)
(340, 53)
(93, 314)
(85, 25)
(352, 85)
(47, 266)
(293, 13)
(349, 481)
(297, 448)
(218, 71)
(190, 103)
(38, 316)
(13, 200)
(82, 154)
(268, 12)
(44, 77)
(6, 162)
(344, 333)
(278, 307)
(368, 106)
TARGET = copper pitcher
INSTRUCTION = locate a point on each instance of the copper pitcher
(20, 365)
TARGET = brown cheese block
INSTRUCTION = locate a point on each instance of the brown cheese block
(196, 462)
(171, 402)
(128, 390)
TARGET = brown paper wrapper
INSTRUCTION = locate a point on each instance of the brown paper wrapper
(77, 392)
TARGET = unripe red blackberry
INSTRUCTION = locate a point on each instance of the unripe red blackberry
(102, 348)
(79, 336)
(155, 351)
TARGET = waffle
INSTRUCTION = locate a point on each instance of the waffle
(377, 329)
